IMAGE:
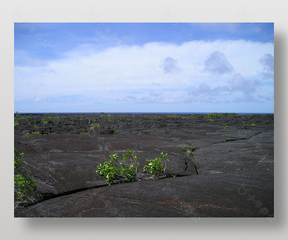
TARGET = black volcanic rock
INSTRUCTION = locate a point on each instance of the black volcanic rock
(230, 172)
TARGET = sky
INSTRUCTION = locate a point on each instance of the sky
(144, 67)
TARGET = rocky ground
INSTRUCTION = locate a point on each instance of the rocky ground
(230, 174)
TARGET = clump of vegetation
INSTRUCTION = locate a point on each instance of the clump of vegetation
(113, 173)
(116, 131)
(252, 124)
(185, 150)
(117, 170)
(24, 185)
(214, 115)
(192, 117)
(226, 127)
(37, 133)
(211, 121)
(172, 116)
(93, 125)
(83, 133)
(157, 166)
(35, 126)
(191, 153)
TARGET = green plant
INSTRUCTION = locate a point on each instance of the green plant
(83, 133)
(183, 149)
(252, 124)
(108, 170)
(112, 172)
(116, 131)
(27, 134)
(16, 124)
(226, 127)
(171, 116)
(35, 126)
(93, 125)
(192, 117)
(211, 121)
(213, 115)
(157, 166)
(191, 153)
(37, 133)
(45, 121)
(24, 185)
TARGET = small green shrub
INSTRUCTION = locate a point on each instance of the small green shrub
(183, 149)
(16, 124)
(83, 133)
(252, 124)
(93, 125)
(112, 172)
(35, 126)
(211, 121)
(157, 166)
(24, 185)
(129, 167)
(191, 153)
(226, 127)
(27, 134)
(37, 133)
(171, 116)
(116, 131)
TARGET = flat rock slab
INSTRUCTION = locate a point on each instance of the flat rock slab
(230, 174)
(221, 195)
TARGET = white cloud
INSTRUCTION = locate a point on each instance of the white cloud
(135, 73)
(170, 65)
(218, 64)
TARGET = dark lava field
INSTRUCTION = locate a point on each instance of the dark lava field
(229, 173)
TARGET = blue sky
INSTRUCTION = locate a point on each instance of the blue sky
(144, 67)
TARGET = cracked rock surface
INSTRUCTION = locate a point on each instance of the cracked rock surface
(229, 174)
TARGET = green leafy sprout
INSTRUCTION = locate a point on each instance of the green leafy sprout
(93, 125)
(117, 170)
(112, 172)
(183, 149)
(157, 166)
(24, 185)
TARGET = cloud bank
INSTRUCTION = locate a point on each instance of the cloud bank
(156, 72)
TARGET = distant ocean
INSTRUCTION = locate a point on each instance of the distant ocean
(158, 113)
